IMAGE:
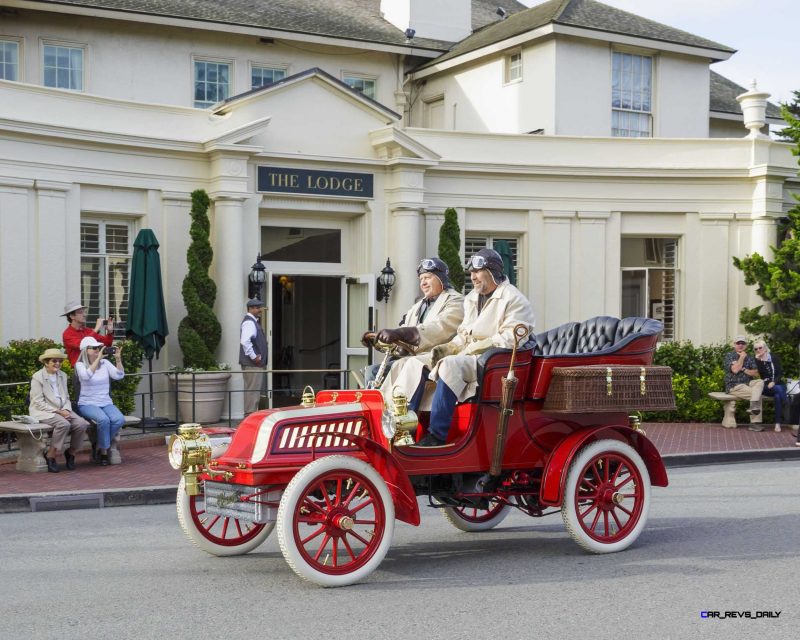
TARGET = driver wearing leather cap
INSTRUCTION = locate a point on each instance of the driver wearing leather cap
(432, 320)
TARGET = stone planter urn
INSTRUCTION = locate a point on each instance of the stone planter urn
(201, 396)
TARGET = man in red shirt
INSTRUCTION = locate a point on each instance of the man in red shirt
(76, 331)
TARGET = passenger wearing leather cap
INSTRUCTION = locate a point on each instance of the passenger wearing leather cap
(491, 311)
(432, 320)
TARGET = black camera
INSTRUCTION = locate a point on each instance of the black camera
(110, 351)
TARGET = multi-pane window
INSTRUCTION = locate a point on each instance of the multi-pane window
(508, 248)
(364, 85)
(262, 76)
(9, 60)
(212, 82)
(649, 280)
(105, 270)
(632, 96)
(63, 67)
(514, 67)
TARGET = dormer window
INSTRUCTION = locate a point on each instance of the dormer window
(632, 96)
(514, 67)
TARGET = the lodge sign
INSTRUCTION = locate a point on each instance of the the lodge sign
(312, 182)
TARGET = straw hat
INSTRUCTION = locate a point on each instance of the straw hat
(52, 354)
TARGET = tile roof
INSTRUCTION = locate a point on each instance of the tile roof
(723, 97)
(343, 19)
(585, 14)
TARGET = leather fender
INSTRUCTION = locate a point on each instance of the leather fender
(554, 477)
(406, 508)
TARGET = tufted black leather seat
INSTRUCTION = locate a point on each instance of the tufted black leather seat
(557, 341)
(595, 334)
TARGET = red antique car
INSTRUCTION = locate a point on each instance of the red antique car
(330, 476)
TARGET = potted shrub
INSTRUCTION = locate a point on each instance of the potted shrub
(202, 381)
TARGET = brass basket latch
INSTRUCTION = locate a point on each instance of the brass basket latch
(308, 399)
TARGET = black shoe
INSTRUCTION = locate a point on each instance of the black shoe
(70, 459)
(94, 453)
(52, 467)
(430, 440)
(104, 459)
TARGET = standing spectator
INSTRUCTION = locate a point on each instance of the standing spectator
(50, 404)
(77, 330)
(252, 354)
(769, 368)
(740, 370)
(94, 403)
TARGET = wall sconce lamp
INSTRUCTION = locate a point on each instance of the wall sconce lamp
(257, 277)
(385, 282)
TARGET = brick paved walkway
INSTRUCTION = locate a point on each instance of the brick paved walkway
(145, 460)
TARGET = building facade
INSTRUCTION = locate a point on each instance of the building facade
(599, 148)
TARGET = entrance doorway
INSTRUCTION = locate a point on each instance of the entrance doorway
(306, 334)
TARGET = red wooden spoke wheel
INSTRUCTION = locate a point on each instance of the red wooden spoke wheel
(607, 496)
(214, 534)
(335, 521)
(468, 518)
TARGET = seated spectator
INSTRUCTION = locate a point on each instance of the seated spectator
(769, 368)
(95, 373)
(740, 380)
(50, 404)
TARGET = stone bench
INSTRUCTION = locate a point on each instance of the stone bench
(729, 406)
(32, 441)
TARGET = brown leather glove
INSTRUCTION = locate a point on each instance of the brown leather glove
(442, 351)
(409, 335)
(368, 338)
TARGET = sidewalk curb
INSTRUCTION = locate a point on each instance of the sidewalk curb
(141, 496)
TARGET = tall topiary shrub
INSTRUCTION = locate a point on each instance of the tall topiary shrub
(199, 332)
(449, 246)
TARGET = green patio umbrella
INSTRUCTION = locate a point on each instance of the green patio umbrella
(147, 315)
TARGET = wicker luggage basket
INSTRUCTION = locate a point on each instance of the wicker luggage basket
(599, 388)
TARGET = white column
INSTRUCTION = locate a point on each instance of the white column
(558, 275)
(405, 251)
(175, 207)
(434, 219)
(15, 245)
(591, 275)
(231, 268)
(708, 234)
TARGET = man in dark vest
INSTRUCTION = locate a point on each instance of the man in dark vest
(252, 354)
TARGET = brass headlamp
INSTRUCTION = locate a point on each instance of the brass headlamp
(398, 422)
(190, 451)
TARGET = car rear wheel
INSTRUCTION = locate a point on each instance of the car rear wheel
(335, 521)
(475, 519)
(607, 496)
(217, 535)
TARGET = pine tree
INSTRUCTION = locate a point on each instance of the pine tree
(778, 281)
(449, 246)
(199, 332)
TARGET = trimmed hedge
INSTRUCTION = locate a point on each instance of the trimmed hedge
(19, 360)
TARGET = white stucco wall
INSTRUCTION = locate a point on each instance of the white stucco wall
(583, 88)
(681, 97)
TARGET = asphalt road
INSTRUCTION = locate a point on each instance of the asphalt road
(720, 538)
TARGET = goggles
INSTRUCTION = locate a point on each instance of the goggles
(476, 263)
(426, 264)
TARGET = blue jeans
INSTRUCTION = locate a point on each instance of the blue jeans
(109, 421)
(779, 393)
(442, 409)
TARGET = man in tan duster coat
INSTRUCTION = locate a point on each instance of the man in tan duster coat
(491, 311)
(431, 321)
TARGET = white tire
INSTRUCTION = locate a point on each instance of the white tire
(607, 496)
(335, 521)
(217, 535)
(473, 519)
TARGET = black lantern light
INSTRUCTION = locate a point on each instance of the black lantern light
(258, 275)
(385, 282)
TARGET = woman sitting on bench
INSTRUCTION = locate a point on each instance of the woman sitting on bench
(769, 368)
(94, 403)
(50, 405)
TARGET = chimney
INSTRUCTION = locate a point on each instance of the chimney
(449, 20)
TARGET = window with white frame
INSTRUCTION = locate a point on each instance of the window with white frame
(262, 76)
(212, 82)
(63, 66)
(361, 83)
(9, 60)
(105, 269)
(507, 247)
(649, 280)
(514, 67)
(631, 95)
(433, 113)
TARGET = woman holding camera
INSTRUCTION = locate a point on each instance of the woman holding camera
(769, 368)
(95, 374)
